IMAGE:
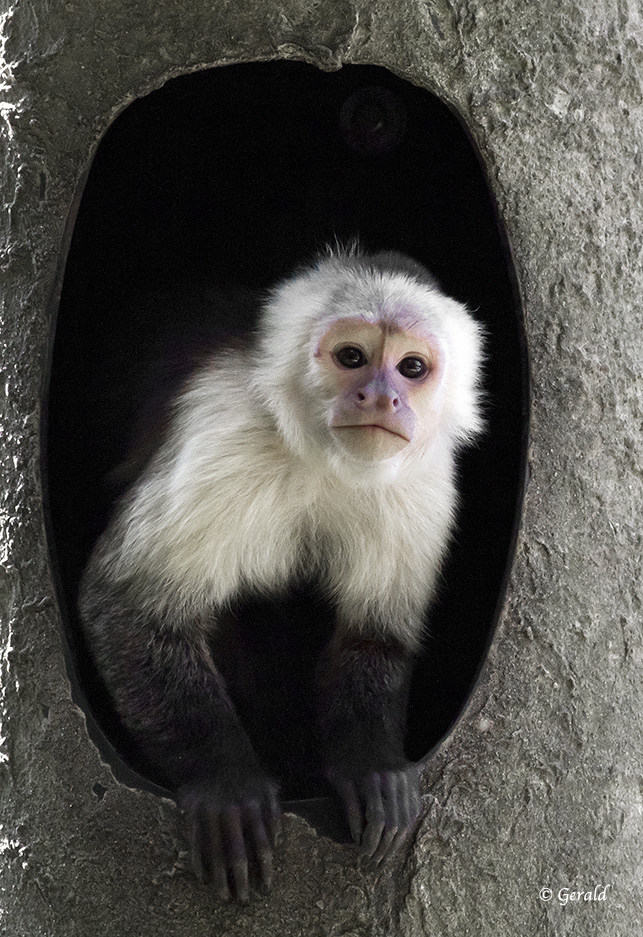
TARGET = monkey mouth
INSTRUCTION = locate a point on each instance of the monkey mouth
(374, 426)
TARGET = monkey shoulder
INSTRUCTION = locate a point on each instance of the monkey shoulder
(217, 505)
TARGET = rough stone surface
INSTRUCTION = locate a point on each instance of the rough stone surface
(541, 785)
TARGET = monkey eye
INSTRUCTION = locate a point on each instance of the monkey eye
(350, 357)
(413, 368)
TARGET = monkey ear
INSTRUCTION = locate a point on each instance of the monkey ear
(465, 355)
(286, 339)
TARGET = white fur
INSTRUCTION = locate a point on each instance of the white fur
(246, 491)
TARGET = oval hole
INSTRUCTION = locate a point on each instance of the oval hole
(228, 178)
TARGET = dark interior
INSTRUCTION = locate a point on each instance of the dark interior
(220, 183)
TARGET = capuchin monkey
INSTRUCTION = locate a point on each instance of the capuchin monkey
(325, 451)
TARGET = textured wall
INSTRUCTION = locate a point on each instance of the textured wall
(541, 785)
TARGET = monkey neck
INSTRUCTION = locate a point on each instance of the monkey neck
(323, 461)
(357, 473)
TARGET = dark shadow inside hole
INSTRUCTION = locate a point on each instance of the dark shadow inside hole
(222, 181)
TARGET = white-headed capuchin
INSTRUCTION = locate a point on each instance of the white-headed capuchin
(322, 453)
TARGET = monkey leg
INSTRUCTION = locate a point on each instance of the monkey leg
(363, 688)
(174, 703)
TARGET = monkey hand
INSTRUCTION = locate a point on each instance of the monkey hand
(381, 807)
(231, 833)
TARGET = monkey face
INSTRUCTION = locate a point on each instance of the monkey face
(381, 382)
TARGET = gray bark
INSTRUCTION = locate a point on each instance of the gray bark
(541, 783)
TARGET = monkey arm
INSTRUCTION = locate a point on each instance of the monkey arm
(174, 703)
(363, 689)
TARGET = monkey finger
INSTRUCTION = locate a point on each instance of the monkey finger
(410, 807)
(388, 844)
(384, 849)
(405, 802)
(219, 875)
(235, 851)
(414, 800)
(393, 790)
(257, 834)
(394, 845)
(198, 838)
(266, 866)
(195, 836)
(347, 791)
(209, 854)
(394, 793)
(241, 880)
(272, 816)
(409, 812)
(375, 817)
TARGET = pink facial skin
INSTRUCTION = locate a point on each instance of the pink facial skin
(377, 408)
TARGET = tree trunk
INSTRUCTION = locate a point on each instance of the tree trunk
(540, 784)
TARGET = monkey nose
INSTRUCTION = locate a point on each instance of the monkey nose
(387, 402)
(378, 397)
